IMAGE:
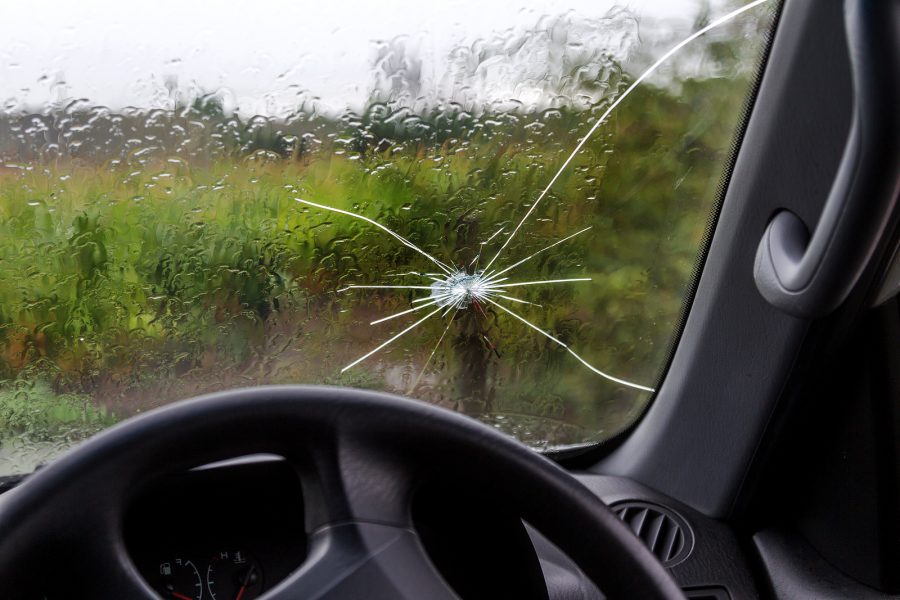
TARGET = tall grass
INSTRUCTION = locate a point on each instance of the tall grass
(158, 254)
(176, 274)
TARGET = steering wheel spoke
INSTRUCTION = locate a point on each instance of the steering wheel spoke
(356, 480)
(365, 560)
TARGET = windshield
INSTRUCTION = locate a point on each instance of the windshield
(498, 209)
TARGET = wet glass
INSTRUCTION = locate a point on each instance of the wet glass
(497, 208)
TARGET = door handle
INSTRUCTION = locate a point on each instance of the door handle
(809, 275)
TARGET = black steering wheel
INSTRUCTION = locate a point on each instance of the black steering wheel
(360, 456)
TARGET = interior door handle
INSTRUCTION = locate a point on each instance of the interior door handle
(811, 275)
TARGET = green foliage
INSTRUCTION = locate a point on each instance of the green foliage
(111, 277)
(34, 411)
(148, 274)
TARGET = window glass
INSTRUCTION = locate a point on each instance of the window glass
(492, 207)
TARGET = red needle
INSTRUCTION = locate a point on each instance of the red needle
(181, 596)
(245, 583)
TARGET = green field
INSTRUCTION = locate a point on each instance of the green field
(135, 274)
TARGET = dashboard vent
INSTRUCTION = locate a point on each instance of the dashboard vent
(665, 533)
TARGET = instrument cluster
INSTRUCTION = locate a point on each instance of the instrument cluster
(225, 575)
(225, 533)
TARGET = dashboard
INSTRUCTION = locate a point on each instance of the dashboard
(234, 530)
(221, 533)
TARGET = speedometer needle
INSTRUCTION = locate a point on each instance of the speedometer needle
(245, 583)
(181, 596)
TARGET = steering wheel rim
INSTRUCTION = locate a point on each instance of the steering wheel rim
(360, 455)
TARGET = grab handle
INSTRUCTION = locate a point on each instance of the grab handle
(810, 275)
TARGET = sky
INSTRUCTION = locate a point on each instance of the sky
(260, 55)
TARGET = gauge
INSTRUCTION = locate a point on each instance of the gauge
(179, 579)
(234, 575)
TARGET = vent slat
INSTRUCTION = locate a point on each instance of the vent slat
(637, 522)
(651, 533)
(672, 545)
(663, 532)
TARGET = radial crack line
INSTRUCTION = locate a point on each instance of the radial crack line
(430, 356)
(521, 283)
(482, 244)
(519, 300)
(402, 239)
(405, 331)
(615, 104)
(436, 297)
(493, 277)
(385, 287)
(572, 352)
(406, 312)
(493, 235)
(410, 273)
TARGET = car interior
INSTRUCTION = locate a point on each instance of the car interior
(766, 464)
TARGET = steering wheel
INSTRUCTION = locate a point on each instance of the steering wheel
(360, 456)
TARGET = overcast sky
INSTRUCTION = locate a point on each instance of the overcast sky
(263, 51)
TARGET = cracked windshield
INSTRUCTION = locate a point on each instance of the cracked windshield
(499, 209)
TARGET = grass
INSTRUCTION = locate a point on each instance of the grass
(153, 273)
(33, 410)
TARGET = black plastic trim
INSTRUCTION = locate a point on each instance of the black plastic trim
(737, 351)
(582, 456)
(717, 559)
(794, 570)
(810, 275)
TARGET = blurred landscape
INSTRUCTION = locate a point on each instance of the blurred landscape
(148, 255)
